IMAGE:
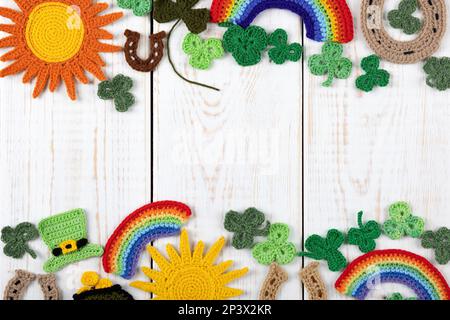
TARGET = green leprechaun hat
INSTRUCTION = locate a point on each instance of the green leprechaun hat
(66, 236)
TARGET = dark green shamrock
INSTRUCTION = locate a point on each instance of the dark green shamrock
(245, 45)
(365, 236)
(403, 17)
(440, 242)
(398, 296)
(281, 50)
(401, 222)
(196, 20)
(438, 73)
(16, 240)
(117, 90)
(330, 62)
(326, 249)
(246, 226)
(140, 7)
(374, 76)
(276, 248)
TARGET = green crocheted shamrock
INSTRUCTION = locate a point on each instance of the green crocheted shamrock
(202, 52)
(276, 248)
(245, 45)
(326, 249)
(16, 240)
(117, 90)
(374, 76)
(440, 242)
(281, 50)
(398, 296)
(402, 222)
(330, 62)
(246, 226)
(364, 236)
(438, 71)
(140, 7)
(403, 18)
(196, 20)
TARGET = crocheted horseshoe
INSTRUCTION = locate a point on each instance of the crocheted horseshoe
(427, 42)
(272, 284)
(313, 282)
(156, 51)
(16, 287)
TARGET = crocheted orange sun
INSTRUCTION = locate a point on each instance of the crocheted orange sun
(54, 40)
(190, 276)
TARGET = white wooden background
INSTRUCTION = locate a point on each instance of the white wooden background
(273, 138)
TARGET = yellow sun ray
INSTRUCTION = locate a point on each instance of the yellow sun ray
(190, 276)
(55, 41)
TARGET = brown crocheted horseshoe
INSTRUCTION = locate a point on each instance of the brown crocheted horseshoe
(156, 51)
(272, 284)
(17, 286)
(428, 41)
(49, 287)
(313, 282)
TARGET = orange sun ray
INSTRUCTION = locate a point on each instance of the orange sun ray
(56, 41)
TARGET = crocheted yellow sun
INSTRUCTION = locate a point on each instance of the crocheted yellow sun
(190, 276)
(54, 40)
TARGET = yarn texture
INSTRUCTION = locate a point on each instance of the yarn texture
(282, 51)
(330, 63)
(277, 248)
(273, 282)
(440, 242)
(374, 75)
(246, 227)
(117, 89)
(402, 223)
(438, 73)
(156, 51)
(17, 286)
(140, 7)
(403, 18)
(202, 52)
(398, 296)
(16, 239)
(190, 275)
(96, 288)
(364, 236)
(319, 248)
(311, 278)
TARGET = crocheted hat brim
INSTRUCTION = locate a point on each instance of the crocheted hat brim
(57, 263)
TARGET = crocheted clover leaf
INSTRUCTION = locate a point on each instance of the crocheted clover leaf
(16, 240)
(398, 296)
(440, 242)
(246, 226)
(196, 20)
(245, 45)
(326, 249)
(374, 76)
(330, 62)
(117, 90)
(140, 7)
(364, 236)
(402, 222)
(202, 52)
(276, 248)
(281, 50)
(403, 18)
(438, 71)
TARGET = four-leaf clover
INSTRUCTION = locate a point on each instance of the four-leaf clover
(330, 62)
(364, 236)
(246, 226)
(140, 7)
(245, 45)
(403, 18)
(327, 249)
(196, 20)
(440, 242)
(281, 50)
(374, 76)
(117, 90)
(438, 71)
(276, 248)
(402, 222)
(16, 240)
(202, 52)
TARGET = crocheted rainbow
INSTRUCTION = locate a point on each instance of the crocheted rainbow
(325, 20)
(393, 266)
(146, 224)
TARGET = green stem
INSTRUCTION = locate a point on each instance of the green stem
(329, 80)
(173, 65)
(360, 224)
(30, 252)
